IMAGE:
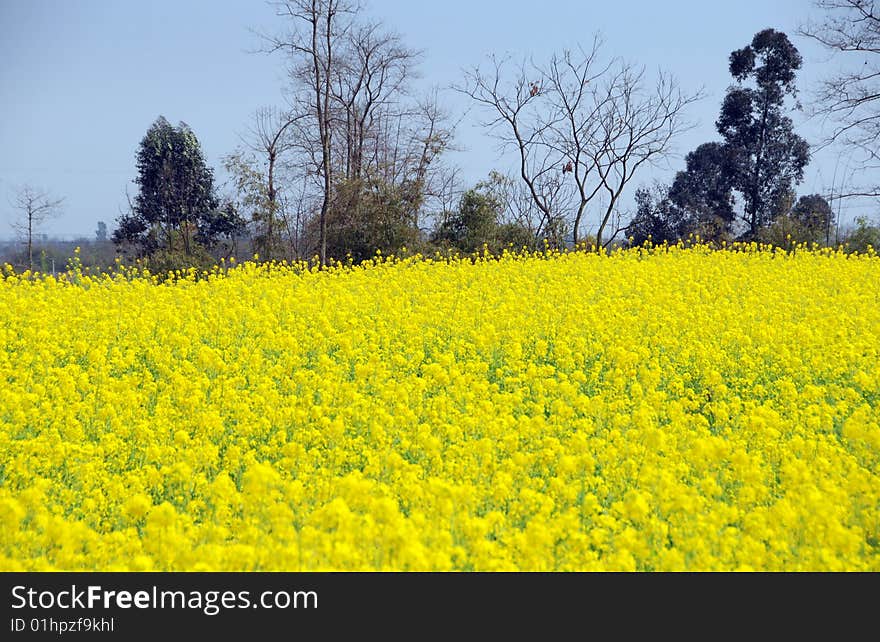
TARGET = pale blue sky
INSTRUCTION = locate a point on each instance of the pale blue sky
(82, 80)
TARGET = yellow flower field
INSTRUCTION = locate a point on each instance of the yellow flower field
(680, 409)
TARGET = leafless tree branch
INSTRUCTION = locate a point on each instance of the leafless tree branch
(35, 206)
(598, 121)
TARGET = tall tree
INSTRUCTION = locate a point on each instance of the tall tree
(35, 206)
(767, 155)
(175, 206)
(360, 137)
(850, 99)
(320, 28)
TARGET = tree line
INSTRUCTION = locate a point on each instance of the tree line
(355, 160)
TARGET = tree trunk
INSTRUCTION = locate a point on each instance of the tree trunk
(756, 178)
(270, 222)
(322, 100)
(328, 33)
(30, 238)
(577, 223)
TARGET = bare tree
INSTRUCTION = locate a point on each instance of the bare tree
(637, 126)
(578, 101)
(407, 144)
(255, 167)
(370, 79)
(35, 206)
(850, 100)
(517, 208)
(445, 195)
(375, 118)
(598, 122)
(358, 128)
(320, 28)
(519, 121)
(270, 136)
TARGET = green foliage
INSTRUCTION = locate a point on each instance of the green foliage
(254, 202)
(477, 223)
(513, 235)
(556, 231)
(786, 231)
(864, 235)
(815, 215)
(766, 156)
(168, 259)
(175, 209)
(474, 224)
(367, 215)
(701, 197)
(656, 218)
(808, 221)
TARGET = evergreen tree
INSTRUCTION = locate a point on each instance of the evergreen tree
(766, 156)
(703, 193)
(175, 209)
